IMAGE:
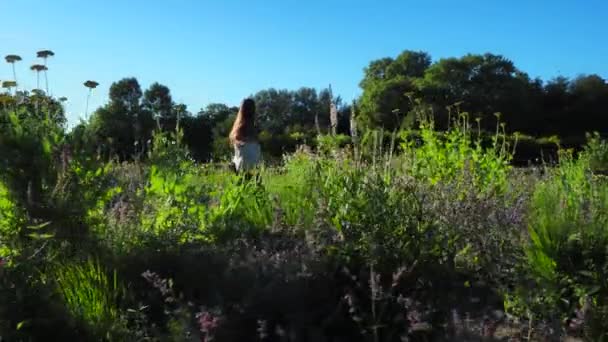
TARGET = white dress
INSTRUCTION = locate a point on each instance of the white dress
(246, 155)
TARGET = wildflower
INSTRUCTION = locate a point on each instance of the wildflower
(206, 321)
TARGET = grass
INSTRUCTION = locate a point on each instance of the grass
(91, 295)
(427, 227)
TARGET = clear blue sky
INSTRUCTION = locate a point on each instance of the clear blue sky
(220, 51)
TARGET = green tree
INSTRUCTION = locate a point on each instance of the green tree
(304, 108)
(217, 112)
(158, 101)
(38, 68)
(8, 85)
(45, 54)
(273, 109)
(588, 103)
(386, 82)
(483, 85)
(90, 85)
(12, 59)
(112, 128)
(28, 142)
(117, 127)
(127, 94)
(210, 125)
(323, 109)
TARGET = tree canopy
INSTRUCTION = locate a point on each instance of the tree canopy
(481, 85)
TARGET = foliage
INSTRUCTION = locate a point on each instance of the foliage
(11, 223)
(327, 144)
(457, 156)
(91, 296)
(597, 152)
(291, 187)
(483, 85)
(28, 144)
(397, 235)
(567, 251)
(386, 82)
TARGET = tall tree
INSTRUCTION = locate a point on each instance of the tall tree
(273, 109)
(45, 54)
(158, 101)
(323, 110)
(127, 93)
(125, 108)
(386, 82)
(114, 125)
(208, 132)
(12, 59)
(304, 108)
(8, 85)
(217, 112)
(90, 85)
(589, 102)
(38, 68)
(409, 63)
(483, 85)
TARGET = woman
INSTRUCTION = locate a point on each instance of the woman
(243, 138)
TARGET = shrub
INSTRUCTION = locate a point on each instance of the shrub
(457, 157)
(327, 144)
(567, 254)
(10, 227)
(597, 152)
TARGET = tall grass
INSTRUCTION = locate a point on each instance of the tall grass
(293, 189)
(10, 226)
(91, 295)
(568, 227)
(424, 199)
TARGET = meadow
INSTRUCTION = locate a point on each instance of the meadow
(413, 214)
(422, 235)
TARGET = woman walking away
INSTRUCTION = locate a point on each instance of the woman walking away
(243, 137)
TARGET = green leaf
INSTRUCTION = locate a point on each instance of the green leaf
(46, 146)
(22, 324)
(40, 226)
(41, 236)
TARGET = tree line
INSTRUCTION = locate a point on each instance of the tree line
(124, 126)
(488, 87)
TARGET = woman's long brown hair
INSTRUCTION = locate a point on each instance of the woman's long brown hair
(243, 129)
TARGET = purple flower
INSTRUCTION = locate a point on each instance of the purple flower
(207, 324)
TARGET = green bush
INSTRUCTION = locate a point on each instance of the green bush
(28, 142)
(457, 156)
(11, 223)
(597, 152)
(326, 144)
(568, 228)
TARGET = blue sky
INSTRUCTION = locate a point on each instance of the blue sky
(221, 51)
